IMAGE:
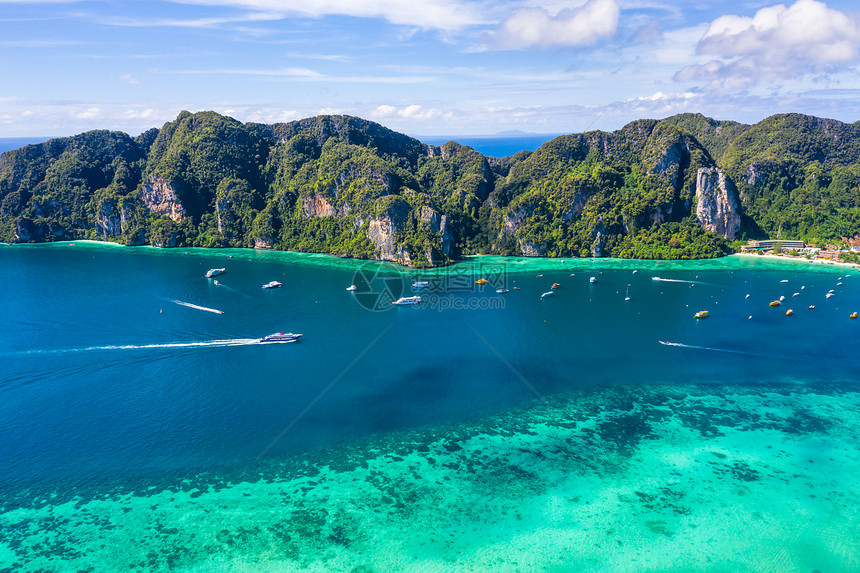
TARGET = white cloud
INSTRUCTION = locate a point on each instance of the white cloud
(129, 79)
(427, 14)
(413, 112)
(535, 27)
(778, 42)
(89, 113)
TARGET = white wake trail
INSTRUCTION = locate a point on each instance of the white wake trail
(198, 307)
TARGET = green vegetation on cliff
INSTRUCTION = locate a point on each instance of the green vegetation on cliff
(676, 188)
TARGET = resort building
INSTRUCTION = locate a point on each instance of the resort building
(769, 244)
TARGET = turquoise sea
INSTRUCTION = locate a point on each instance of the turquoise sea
(144, 427)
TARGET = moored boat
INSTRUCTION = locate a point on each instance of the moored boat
(421, 284)
(352, 288)
(701, 314)
(502, 290)
(404, 300)
(273, 284)
(853, 315)
(481, 281)
(789, 312)
(214, 273)
(775, 303)
(592, 280)
(281, 337)
(548, 294)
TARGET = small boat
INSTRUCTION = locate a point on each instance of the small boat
(555, 285)
(775, 303)
(784, 281)
(635, 271)
(216, 282)
(811, 307)
(789, 312)
(351, 288)
(404, 300)
(592, 280)
(828, 295)
(796, 294)
(547, 294)
(701, 314)
(214, 273)
(627, 296)
(853, 315)
(281, 337)
(502, 290)
(781, 299)
(481, 282)
(747, 296)
(839, 283)
(273, 284)
(516, 288)
(421, 284)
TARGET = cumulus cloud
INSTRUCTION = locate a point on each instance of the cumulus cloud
(778, 42)
(535, 27)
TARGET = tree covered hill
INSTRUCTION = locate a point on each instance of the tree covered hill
(676, 188)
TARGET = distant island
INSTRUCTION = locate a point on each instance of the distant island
(683, 187)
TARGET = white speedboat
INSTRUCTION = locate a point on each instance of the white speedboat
(352, 288)
(592, 280)
(273, 284)
(281, 337)
(548, 294)
(214, 273)
(404, 300)
(420, 284)
(502, 290)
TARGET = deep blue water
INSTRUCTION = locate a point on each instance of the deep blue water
(9, 143)
(494, 146)
(103, 374)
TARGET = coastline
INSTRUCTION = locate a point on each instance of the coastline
(468, 264)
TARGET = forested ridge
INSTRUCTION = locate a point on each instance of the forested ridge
(682, 187)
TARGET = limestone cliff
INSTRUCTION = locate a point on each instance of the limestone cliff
(717, 203)
(159, 196)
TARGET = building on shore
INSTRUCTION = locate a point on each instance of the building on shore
(770, 244)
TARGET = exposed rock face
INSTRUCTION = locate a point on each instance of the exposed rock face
(262, 242)
(225, 215)
(160, 197)
(530, 249)
(668, 169)
(381, 231)
(110, 220)
(717, 203)
(317, 206)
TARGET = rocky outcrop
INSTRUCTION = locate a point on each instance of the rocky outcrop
(110, 219)
(530, 249)
(263, 243)
(317, 206)
(717, 202)
(381, 231)
(159, 196)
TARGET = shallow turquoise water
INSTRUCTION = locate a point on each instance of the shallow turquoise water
(476, 432)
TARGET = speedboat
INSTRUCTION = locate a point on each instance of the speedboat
(781, 299)
(404, 300)
(548, 293)
(214, 273)
(481, 282)
(811, 307)
(502, 290)
(592, 280)
(853, 315)
(351, 288)
(789, 312)
(701, 314)
(281, 337)
(273, 284)
(828, 295)
(784, 281)
(421, 284)
(555, 285)
(775, 303)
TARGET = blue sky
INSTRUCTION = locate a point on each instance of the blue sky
(423, 67)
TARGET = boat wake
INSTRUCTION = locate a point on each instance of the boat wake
(727, 350)
(661, 279)
(166, 345)
(198, 307)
